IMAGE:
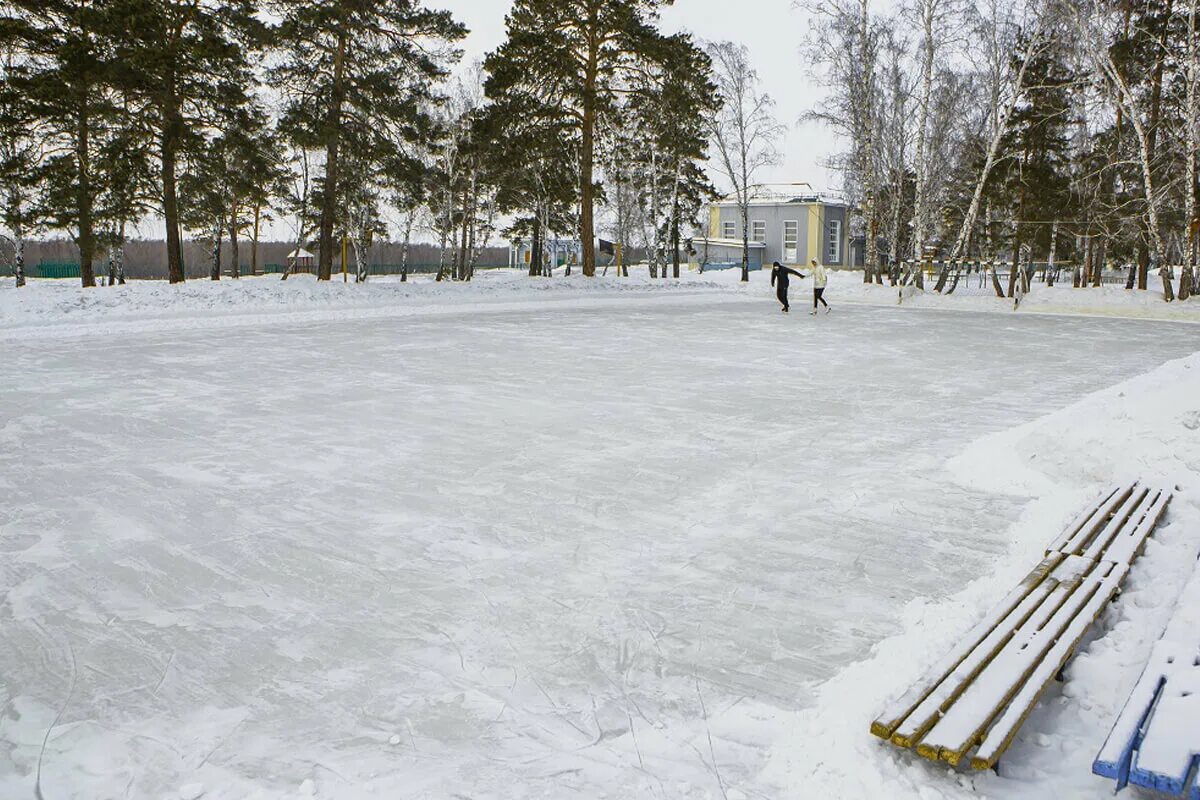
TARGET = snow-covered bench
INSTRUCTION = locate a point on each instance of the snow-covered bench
(980, 693)
(1156, 740)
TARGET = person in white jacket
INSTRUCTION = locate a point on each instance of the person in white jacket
(820, 281)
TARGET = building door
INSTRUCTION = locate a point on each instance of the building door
(791, 241)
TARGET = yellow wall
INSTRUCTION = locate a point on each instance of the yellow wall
(814, 234)
(714, 222)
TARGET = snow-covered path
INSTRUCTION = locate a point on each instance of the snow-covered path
(497, 555)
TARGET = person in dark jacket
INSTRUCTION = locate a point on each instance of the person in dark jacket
(780, 280)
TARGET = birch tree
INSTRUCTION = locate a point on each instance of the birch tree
(1192, 145)
(1094, 26)
(938, 22)
(744, 132)
(845, 40)
(1004, 78)
(21, 154)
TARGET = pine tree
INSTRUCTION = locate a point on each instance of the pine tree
(178, 58)
(125, 182)
(21, 155)
(364, 68)
(68, 69)
(1037, 178)
(534, 155)
(574, 56)
(671, 100)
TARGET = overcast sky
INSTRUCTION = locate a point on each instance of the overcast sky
(772, 29)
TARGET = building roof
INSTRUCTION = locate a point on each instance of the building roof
(727, 242)
(775, 194)
(300, 253)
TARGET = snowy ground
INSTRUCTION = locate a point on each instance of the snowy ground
(582, 540)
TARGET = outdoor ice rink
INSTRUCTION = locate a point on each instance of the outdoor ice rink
(550, 554)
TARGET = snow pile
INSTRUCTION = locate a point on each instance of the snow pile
(1108, 301)
(142, 305)
(1148, 428)
(72, 310)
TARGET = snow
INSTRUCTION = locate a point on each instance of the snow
(1143, 428)
(542, 539)
(1172, 740)
(61, 308)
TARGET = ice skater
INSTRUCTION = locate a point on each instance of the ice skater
(780, 280)
(820, 281)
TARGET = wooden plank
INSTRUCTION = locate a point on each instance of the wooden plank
(1127, 545)
(1132, 510)
(933, 707)
(1001, 734)
(1087, 518)
(1073, 542)
(965, 723)
(898, 710)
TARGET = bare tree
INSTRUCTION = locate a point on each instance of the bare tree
(997, 29)
(744, 131)
(1191, 123)
(1096, 27)
(896, 91)
(939, 22)
(21, 152)
(845, 40)
(299, 199)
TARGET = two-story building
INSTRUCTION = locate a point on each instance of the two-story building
(789, 223)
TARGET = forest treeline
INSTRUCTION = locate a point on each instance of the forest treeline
(346, 121)
(1036, 130)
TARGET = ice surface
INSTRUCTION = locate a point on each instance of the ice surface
(553, 552)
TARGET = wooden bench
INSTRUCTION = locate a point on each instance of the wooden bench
(978, 696)
(1155, 742)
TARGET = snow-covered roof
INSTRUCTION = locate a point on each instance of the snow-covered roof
(774, 194)
(727, 242)
(300, 253)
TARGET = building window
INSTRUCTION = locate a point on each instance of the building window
(729, 229)
(758, 230)
(791, 241)
(835, 241)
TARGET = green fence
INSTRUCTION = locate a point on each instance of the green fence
(56, 269)
(381, 269)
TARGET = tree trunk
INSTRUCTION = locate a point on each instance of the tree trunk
(254, 239)
(1168, 291)
(19, 261)
(360, 262)
(333, 140)
(215, 271)
(535, 250)
(922, 187)
(587, 222)
(235, 268)
(170, 147)
(1051, 259)
(1152, 135)
(87, 241)
(120, 248)
(408, 226)
(1191, 122)
(745, 209)
(461, 257)
(675, 246)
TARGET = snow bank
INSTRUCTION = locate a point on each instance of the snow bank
(1148, 427)
(60, 308)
